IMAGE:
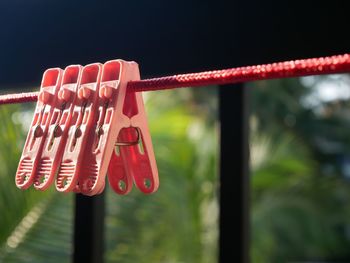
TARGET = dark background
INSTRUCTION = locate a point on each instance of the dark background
(165, 37)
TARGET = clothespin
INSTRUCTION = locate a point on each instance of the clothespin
(80, 135)
(134, 146)
(58, 129)
(121, 142)
(47, 102)
(85, 126)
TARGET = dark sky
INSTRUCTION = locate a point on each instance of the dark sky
(164, 36)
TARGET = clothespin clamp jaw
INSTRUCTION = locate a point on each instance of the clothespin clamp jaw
(80, 131)
(38, 130)
(58, 128)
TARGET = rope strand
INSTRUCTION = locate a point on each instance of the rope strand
(287, 69)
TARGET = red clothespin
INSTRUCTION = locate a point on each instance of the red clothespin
(85, 126)
(47, 102)
(134, 149)
(58, 129)
(121, 123)
(81, 131)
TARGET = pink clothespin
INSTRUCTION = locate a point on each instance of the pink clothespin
(134, 148)
(79, 142)
(47, 102)
(121, 123)
(85, 126)
(58, 129)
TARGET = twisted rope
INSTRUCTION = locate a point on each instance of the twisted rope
(287, 69)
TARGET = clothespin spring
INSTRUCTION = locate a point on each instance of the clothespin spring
(136, 142)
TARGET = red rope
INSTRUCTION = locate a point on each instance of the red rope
(287, 69)
(18, 98)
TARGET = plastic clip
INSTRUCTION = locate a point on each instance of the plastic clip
(81, 130)
(47, 102)
(122, 122)
(58, 129)
(85, 126)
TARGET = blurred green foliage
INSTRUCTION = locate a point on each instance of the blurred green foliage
(300, 186)
(176, 224)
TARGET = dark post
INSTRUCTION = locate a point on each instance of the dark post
(234, 175)
(89, 229)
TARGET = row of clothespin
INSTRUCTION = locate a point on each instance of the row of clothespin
(86, 123)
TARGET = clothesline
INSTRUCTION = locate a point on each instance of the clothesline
(286, 69)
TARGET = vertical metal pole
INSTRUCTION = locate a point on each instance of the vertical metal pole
(234, 175)
(89, 229)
